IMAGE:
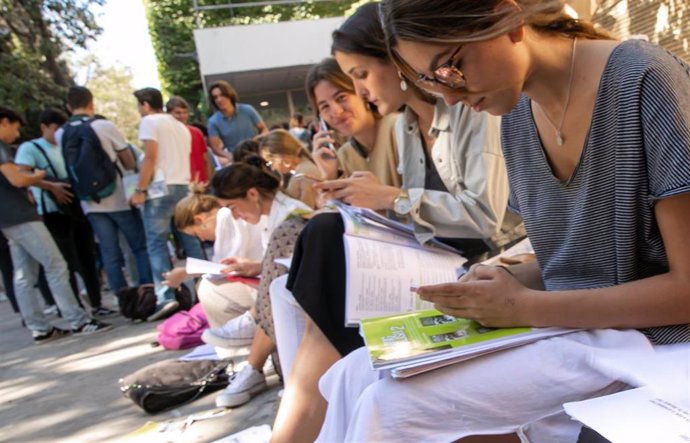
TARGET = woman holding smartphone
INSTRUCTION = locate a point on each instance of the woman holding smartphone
(372, 138)
(595, 135)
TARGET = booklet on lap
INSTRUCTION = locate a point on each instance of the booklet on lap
(412, 343)
(384, 261)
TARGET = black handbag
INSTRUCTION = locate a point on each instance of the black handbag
(170, 383)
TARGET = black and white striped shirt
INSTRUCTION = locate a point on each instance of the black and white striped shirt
(598, 229)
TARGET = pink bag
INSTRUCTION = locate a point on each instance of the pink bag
(183, 329)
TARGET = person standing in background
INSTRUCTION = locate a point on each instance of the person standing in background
(231, 122)
(62, 214)
(113, 213)
(31, 245)
(167, 144)
(199, 159)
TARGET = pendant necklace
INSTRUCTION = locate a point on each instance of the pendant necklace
(559, 136)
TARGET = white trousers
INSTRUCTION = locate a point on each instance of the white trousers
(225, 301)
(521, 391)
(288, 321)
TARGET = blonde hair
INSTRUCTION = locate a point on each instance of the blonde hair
(281, 142)
(195, 203)
(443, 22)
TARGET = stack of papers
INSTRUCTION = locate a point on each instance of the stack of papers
(416, 342)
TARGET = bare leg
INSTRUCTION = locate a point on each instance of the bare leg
(302, 408)
(262, 347)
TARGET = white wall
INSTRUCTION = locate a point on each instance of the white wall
(252, 47)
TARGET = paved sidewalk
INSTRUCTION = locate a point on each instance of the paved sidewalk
(67, 390)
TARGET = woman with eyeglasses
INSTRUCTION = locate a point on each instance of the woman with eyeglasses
(286, 155)
(595, 134)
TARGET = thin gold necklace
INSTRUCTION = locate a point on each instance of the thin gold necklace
(559, 136)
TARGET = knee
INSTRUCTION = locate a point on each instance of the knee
(323, 226)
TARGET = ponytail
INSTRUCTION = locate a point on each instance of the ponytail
(195, 203)
(235, 180)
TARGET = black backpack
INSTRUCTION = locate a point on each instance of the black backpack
(139, 302)
(92, 173)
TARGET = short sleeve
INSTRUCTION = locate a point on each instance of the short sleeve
(147, 130)
(5, 156)
(26, 155)
(212, 127)
(254, 115)
(665, 104)
(108, 131)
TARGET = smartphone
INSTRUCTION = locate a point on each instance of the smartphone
(324, 127)
(307, 177)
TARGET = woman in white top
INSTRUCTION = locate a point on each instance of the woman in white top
(202, 216)
(253, 195)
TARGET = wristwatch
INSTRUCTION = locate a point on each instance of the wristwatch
(402, 204)
(141, 191)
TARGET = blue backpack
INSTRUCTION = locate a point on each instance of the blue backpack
(92, 173)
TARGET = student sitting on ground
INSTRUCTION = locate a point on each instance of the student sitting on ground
(292, 161)
(371, 148)
(251, 193)
(455, 189)
(604, 194)
(202, 216)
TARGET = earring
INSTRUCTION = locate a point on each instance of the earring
(403, 83)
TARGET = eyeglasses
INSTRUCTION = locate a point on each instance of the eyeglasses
(447, 75)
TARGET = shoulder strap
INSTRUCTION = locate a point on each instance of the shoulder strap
(43, 191)
(45, 155)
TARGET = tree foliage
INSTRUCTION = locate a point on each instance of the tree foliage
(34, 36)
(112, 95)
(172, 24)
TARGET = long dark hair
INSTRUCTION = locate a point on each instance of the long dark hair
(235, 180)
(363, 34)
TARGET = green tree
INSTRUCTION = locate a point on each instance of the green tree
(112, 93)
(172, 23)
(34, 36)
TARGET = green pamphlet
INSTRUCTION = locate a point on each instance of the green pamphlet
(411, 343)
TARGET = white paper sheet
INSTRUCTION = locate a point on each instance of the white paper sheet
(196, 266)
(659, 411)
(381, 275)
(634, 416)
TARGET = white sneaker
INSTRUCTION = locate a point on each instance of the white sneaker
(243, 386)
(237, 332)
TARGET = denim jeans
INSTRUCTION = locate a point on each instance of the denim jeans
(158, 214)
(31, 245)
(106, 226)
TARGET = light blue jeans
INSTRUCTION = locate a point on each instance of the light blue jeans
(32, 245)
(157, 215)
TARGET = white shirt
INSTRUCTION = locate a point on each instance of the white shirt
(174, 145)
(467, 155)
(237, 238)
(112, 142)
(281, 208)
